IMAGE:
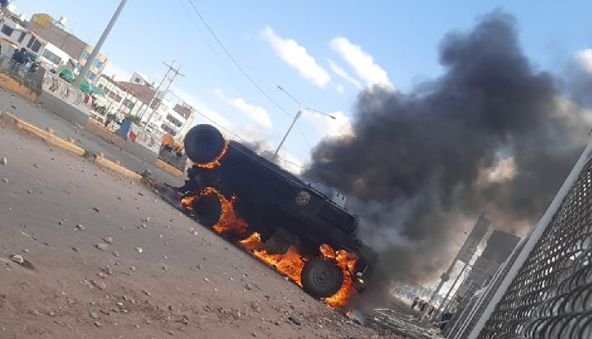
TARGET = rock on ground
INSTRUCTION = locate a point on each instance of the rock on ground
(75, 295)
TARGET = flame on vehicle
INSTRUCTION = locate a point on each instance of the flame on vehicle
(347, 262)
(229, 222)
(216, 162)
(290, 263)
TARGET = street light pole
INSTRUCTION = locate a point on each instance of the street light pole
(99, 44)
(296, 117)
(277, 150)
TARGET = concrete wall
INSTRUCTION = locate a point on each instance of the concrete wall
(70, 112)
(17, 88)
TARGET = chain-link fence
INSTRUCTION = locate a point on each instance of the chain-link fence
(545, 288)
(472, 308)
(551, 297)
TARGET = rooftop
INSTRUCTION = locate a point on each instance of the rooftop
(142, 92)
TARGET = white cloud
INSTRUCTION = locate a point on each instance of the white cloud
(344, 75)
(361, 62)
(584, 58)
(116, 72)
(297, 57)
(332, 128)
(254, 112)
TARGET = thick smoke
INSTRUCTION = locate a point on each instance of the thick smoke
(491, 134)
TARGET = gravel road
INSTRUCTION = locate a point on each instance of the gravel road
(106, 258)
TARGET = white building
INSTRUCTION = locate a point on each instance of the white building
(14, 35)
(118, 99)
(131, 98)
(166, 118)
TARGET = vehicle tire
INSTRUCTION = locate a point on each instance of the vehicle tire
(207, 210)
(321, 277)
(204, 143)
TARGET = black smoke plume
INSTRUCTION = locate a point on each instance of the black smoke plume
(492, 133)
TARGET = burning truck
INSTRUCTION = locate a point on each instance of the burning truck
(274, 215)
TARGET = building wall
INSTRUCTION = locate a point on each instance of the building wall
(137, 78)
(13, 31)
(122, 95)
(119, 100)
(165, 119)
(69, 43)
(59, 37)
(98, 65)
(499, 247)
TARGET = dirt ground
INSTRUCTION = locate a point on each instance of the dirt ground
(106, 258)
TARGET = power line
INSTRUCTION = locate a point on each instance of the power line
(303, 136)
(175, 71)
(211, 48)
(234, 61)
(156, 91)
(245, 74)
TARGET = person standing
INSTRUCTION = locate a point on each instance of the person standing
(18, 59)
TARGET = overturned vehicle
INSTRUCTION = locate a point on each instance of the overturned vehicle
(275, 215)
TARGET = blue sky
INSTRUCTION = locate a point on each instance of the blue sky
(380, 41)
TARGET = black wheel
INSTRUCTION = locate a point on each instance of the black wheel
(207, 210)
(203, 144)
(321, 277)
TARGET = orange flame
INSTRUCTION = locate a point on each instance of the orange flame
(229, 222)
(291, 263)
(216, 162)
(347, 262)
(187, 202)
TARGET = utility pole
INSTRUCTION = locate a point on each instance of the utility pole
(99, 44)
(277, 150)
(296, 117)
(155, 95)
(175, 73)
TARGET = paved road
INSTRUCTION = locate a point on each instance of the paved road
(135, 157)
(181, 285)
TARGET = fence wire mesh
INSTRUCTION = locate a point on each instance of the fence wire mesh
(472, 309)
(551, 297)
